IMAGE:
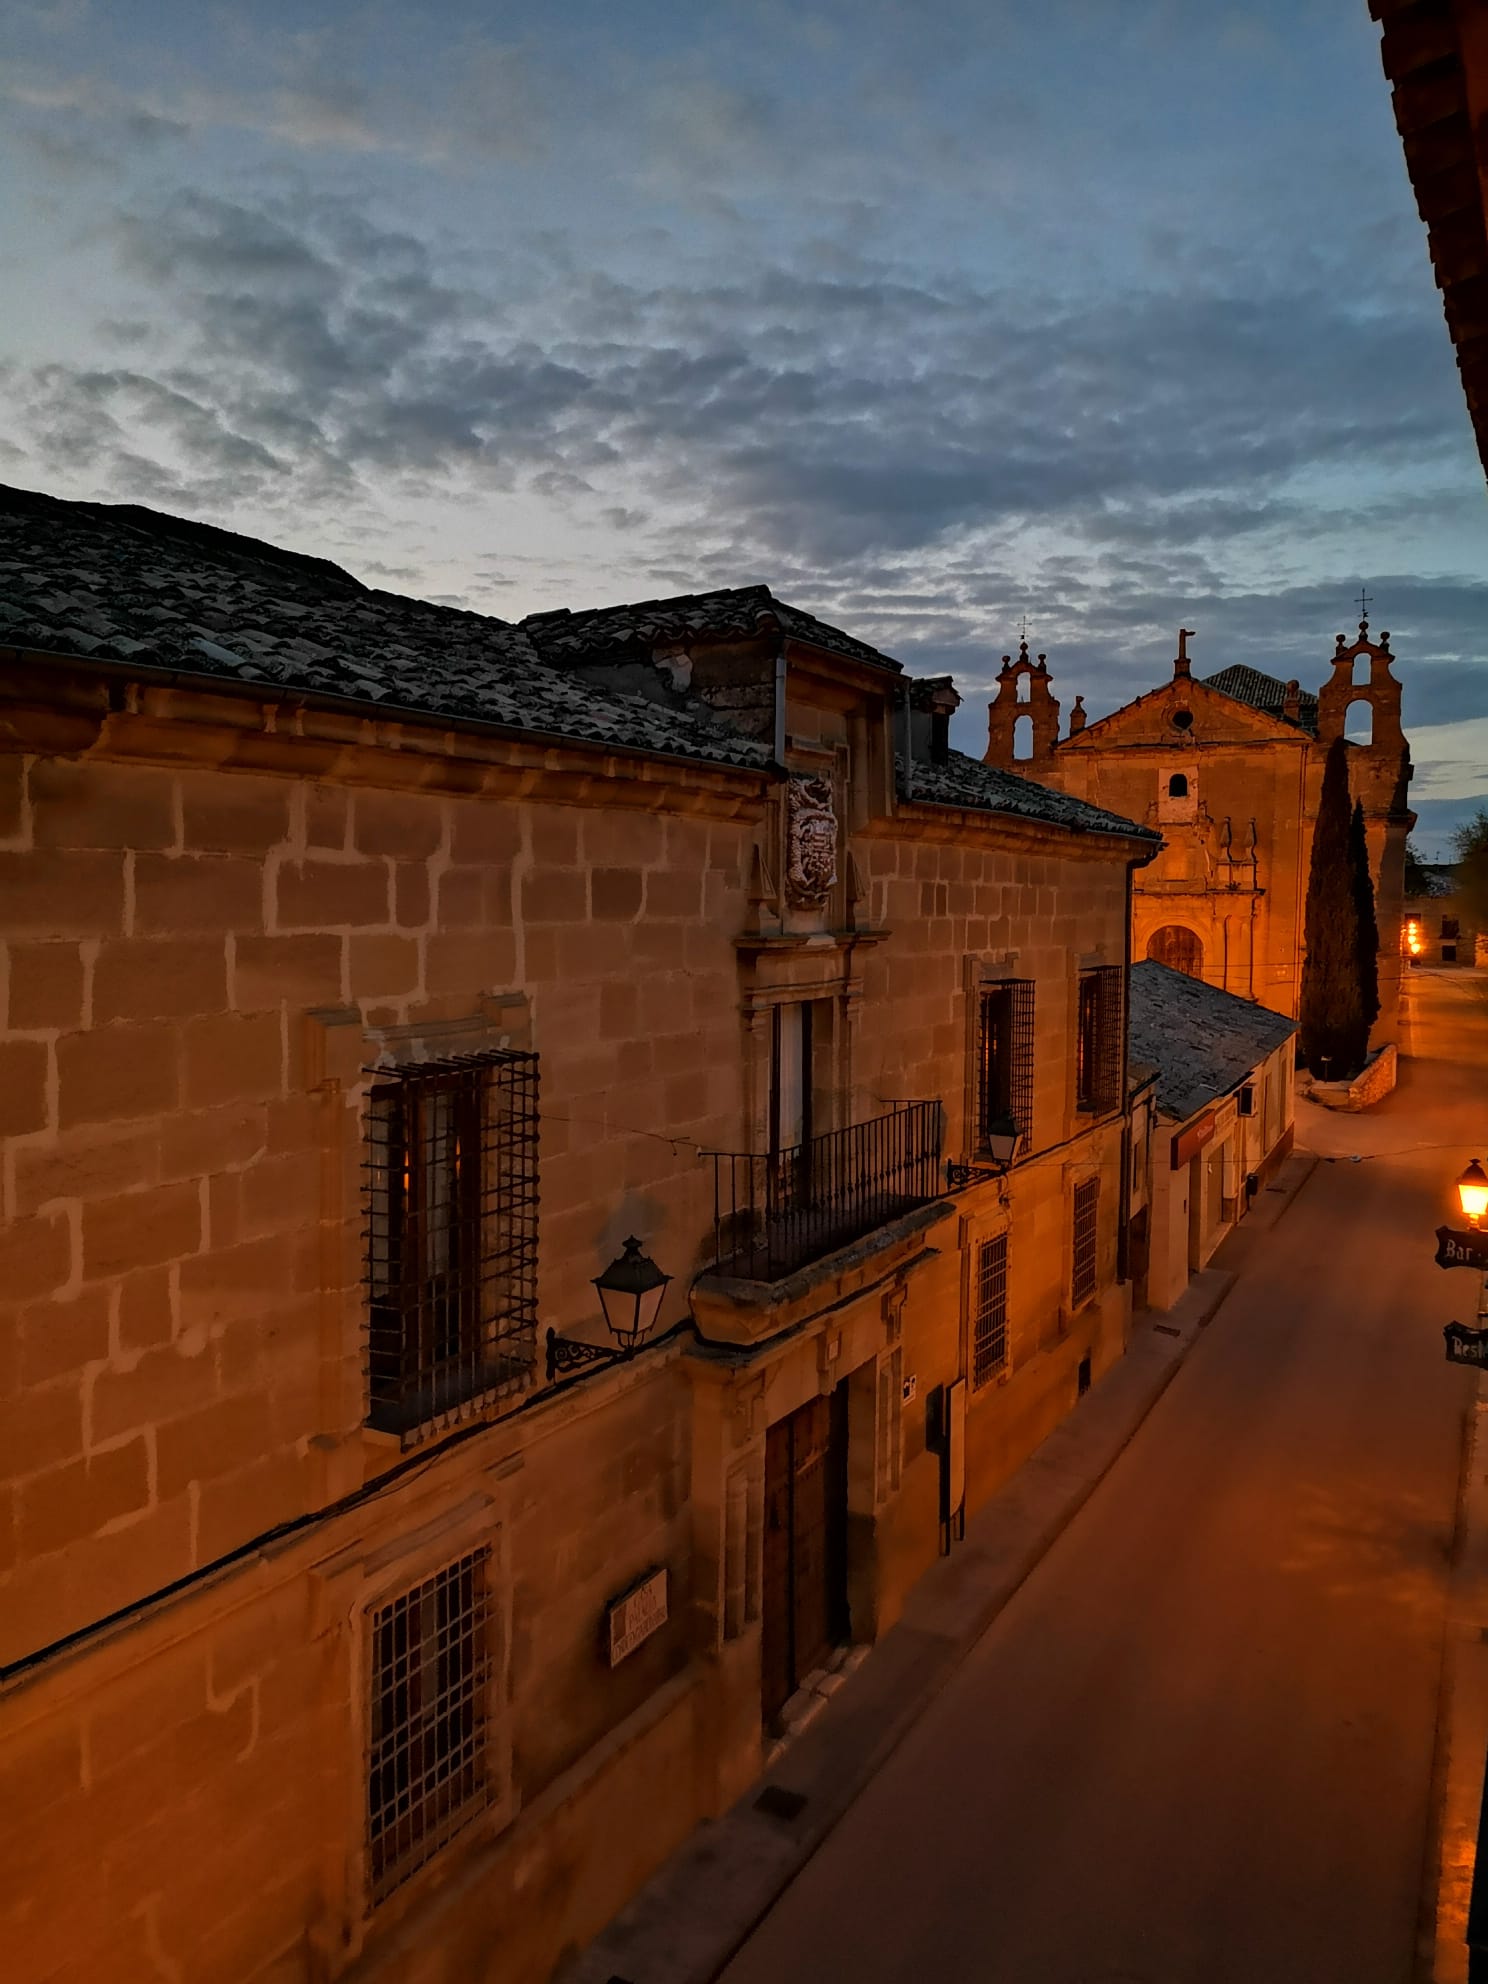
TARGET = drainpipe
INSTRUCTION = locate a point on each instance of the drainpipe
(1123, 1196)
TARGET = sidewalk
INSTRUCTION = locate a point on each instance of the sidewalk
(687, 1923)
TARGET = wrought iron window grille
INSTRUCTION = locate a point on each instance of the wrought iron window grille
(774, 1212)
(1099, 1052)
(451, 1179)
(989, 1334)
(1085, 1230)
(1004, 1064)
(429, 1675)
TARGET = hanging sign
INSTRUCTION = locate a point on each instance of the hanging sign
(636, 1614)
(1188, 1143)
(1465, 1346)
(1455, 1249)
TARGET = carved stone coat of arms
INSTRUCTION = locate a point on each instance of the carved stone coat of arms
(811, 843)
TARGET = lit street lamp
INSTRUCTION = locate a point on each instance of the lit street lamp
(1472, 1193)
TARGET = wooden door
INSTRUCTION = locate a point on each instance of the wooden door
(805, 1570)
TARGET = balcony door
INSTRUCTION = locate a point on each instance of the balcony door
(792, 1074)
(805, 1568)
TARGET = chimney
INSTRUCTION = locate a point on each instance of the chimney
(1291, 702)
(1077, 717)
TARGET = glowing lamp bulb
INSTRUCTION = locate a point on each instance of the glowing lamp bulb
(1472, 1191)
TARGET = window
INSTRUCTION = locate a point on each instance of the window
(1178, 786)
(1082, 1272)
(1182, 719)
(1245, 1100)
(1178, 948)
(426, 1772)
(451, 1236)
(1004, 1067)
(1098, 1043)
(989, 1331)
(1450, 928)
(791, 1029)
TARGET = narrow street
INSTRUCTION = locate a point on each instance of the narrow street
(1198, 1743)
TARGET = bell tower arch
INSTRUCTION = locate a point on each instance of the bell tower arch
(1012, 703)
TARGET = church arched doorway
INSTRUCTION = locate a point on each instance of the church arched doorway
(1178, 949)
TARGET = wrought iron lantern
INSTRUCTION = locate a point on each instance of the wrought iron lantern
(1000, 1141)
(631, 1290)
(1472, 1192)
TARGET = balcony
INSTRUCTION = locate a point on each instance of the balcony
(774, 1215)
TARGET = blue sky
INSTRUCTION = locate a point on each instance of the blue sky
(1113, 313)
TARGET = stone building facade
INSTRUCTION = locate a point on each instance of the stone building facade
(1229, 770)
(372, 972)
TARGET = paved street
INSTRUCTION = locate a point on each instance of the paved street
(1197, 1744)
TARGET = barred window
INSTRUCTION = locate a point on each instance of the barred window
(427, 1761)
(451, 1236)
(1082, 1271)
(1098, 1043)
(1004, 1088)
(989, 1328)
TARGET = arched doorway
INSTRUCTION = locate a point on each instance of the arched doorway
(1178, 949)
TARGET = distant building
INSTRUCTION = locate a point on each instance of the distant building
(1223, 1118)
(1440, 926)
(372, 972)
(1228, 769)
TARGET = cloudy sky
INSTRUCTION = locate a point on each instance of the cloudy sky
(930, 313)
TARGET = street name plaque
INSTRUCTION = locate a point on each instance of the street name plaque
(1455, 1249)
(1465, 1346)
(635, 1615)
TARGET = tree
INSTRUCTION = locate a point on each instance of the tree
(1333, 1028)
(1470, 883)
(1417, 881)
(1362, 881)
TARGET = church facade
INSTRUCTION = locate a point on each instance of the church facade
(1229, 769)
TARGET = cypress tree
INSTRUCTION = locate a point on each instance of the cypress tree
(1334, 1033)
(1363, 884)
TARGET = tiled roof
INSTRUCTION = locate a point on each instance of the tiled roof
(120, 583)
(732, 612)
(1263, 692)
(965, 781)
(1203, 1042)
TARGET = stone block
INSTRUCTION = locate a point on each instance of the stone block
(46, 986)
(85, 803)
(221, 1438)
(460, 899)
(237, 814)
(145, 1311)
(279, 1193)
(61, 893)
(196, 1143)
(89, 1163)
(163, 1385)
(232, 1282)
(299, 971)
(56, 1339)
(410, 895)
(197, 895)
(383, 967)
(43, 1427)
(397, 823)
(555, 895)
(321, 895)
(54, 1509)
(271, 1490)
(327, 816)
(674, 892)
(233, 1057)
(466, 963)
(12, 795)
(615, 893)
(158, 978)
(35, 1259)
(24, 1080)
(485, 831)
(120, 1071)
(140, 1229)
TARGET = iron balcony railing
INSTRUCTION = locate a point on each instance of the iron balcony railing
(772, 1214)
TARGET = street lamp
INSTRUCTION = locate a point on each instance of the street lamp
(1472, 1193)
(630, 1293)
(1000, 1141)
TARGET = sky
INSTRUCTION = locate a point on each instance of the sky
(930, 314)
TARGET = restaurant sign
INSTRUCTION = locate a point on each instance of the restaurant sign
(635, 1615)
(1465, 1346)
(1456, 1249)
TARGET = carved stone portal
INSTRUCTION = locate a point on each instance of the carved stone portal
(811, 833)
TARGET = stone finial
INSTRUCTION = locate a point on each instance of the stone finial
(1077, 717)
(1182, 668)
(1291, 701)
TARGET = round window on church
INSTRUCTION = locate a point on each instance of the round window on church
(1183, 719)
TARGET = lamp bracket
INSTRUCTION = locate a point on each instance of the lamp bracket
(568, 1353)
(959, 1176)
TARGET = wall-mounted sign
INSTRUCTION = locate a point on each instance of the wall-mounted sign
(635, 1615)
(1465, 1346)
(1188, 1143)
(1455, 1249)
